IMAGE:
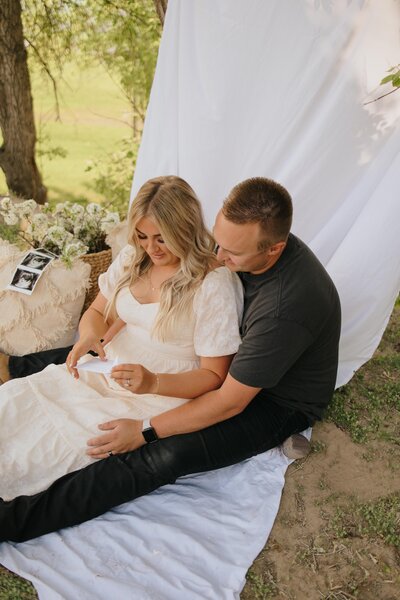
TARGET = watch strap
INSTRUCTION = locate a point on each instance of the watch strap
(149, 432)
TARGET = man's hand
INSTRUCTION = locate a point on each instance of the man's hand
(123, 435)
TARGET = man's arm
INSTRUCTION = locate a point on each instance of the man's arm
(124, 435)
(226, 402)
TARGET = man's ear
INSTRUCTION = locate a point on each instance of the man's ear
(276, 249)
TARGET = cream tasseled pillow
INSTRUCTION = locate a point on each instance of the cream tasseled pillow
(49, 317)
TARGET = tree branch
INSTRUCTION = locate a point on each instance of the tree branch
(161, 8)
(50, 75)
(383, 95)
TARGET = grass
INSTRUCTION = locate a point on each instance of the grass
(366, 406)
(13, 588)
(95, 119)
(371, 520)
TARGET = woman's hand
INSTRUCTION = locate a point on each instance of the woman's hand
(123, 435)
(135, 378)
(82, 347)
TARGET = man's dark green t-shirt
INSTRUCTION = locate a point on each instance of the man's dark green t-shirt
(290, 332)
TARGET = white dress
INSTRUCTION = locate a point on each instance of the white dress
(47, 418)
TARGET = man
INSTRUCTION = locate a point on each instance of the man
(279, 382)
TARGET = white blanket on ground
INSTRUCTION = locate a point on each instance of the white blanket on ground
(193, 540)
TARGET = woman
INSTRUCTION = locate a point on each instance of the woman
(176, 312)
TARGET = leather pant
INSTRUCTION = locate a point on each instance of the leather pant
(21, 366)
(90, 492)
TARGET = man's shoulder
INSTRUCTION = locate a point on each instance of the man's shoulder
(298, 288)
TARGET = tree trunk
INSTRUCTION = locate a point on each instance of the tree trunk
(17, 154)
(161, 8)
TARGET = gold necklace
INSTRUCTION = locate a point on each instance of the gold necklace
(152, 287)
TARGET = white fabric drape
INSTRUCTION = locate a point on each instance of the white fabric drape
(244, 88)
(277, 88)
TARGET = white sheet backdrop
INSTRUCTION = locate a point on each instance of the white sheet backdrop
(242, 88)
(277, 88)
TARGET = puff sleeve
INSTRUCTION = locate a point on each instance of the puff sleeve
(218, 306)
(108, 280)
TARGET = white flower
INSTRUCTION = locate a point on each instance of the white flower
(26, 209)
(57, 235)
(109, 221)
(77, 210)
(69, 229)
(94, 209)
(11, 218)
(39, 226)
(5, 203)
(78, 228)
(74, 249)
(60, 208)
(40, 220)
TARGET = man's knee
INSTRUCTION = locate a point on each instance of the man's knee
(170, 458)
(158, 459)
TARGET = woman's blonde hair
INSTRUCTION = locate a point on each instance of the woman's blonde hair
(174, 206)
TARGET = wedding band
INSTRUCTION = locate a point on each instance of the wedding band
(110, 453)
(127, 383)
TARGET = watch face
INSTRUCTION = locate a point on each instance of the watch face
(149, 435)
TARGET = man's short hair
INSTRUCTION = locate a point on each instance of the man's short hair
(264, 201)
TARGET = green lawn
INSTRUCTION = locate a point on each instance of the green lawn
(94, 119)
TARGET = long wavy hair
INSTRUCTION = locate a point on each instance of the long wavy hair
(174, 206)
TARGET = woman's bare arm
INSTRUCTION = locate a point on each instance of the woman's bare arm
(189, 384)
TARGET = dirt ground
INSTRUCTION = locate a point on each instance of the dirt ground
(309, 555)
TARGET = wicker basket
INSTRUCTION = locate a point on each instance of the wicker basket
(99, 262)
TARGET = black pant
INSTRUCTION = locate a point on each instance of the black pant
(21, 366)
(85, 494)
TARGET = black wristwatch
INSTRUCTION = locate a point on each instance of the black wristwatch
(149, 432)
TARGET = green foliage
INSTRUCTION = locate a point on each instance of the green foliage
(113, 176)
(13, 587)
(345, 412)
(363, 408)
(122, 37)
(368, 408)
(46, 150)
(382, 519)
(9, 232)
(262, 587)
(394, 77)
(378, 519)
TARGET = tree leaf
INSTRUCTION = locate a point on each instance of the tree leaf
(387, 79)
(396, 80)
